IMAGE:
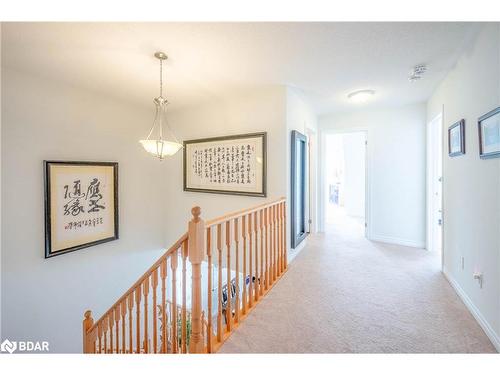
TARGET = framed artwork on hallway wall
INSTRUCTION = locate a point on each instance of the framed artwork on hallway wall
(81, 205)
(233, 164)
(456, 138)
(489, 134)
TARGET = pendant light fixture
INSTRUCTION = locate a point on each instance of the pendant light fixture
(166, 144)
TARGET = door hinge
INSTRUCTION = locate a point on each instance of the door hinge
(366, 225)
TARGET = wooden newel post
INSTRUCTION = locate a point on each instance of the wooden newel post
(88, 343)
(196, 242)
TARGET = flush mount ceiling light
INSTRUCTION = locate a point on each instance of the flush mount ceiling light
(360, 96)
(417, 72)
(166, 144)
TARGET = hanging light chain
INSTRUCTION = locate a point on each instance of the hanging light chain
(161, 78)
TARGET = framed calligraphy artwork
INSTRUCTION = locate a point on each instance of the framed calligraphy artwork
(226, 165)
(81, 205)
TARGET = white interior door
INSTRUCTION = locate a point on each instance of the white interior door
(435, 184)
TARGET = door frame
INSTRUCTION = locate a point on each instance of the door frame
(322, 174)
(430, 240)
(312, 191)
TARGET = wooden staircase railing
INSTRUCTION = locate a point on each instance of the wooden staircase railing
(227, 264)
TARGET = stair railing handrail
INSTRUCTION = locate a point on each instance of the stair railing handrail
(263, 226)
(146, 274)
(235, 214)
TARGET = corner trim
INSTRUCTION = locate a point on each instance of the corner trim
(483, 323)
(397, 241)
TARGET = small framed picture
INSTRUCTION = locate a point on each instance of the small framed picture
(456, 138)
(81, 205)
(489, 134)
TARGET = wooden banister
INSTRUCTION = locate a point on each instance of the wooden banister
(240, 213)
(157, 315)
(196, 240)
(143, 277)
(88, 322)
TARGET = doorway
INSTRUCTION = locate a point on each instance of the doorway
(435, 185)
(345, 180)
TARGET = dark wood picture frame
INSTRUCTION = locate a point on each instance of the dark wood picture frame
(298, 196)
(482, 154)
(461, 125)
(263, 190)
(48, 206)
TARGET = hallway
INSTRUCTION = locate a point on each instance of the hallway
(345, 294)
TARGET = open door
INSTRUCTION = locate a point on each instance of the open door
(345, 180)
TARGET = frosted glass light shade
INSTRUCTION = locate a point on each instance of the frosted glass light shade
(160, 148)
(361, 96)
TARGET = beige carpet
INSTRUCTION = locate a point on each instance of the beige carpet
(345, 294)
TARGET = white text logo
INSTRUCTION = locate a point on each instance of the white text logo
(24, 346)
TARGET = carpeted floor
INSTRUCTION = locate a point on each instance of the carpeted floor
(345, 294)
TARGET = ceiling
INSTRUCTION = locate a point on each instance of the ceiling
(210, 60)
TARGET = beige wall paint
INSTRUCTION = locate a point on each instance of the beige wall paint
(44, 299)
(471, 186)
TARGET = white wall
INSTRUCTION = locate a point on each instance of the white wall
(0, 183)
(354, 173)
(396, 169)
(275, 109)
(260, 109)
(471, 187)
(44, 299)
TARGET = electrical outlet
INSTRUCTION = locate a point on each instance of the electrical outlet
(479, 277)
(463, 263)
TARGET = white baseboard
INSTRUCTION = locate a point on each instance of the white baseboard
(292, 253)
(494, 338)
(397, 241)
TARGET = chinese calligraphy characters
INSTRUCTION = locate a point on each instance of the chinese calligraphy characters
(225, 164)
(74, 197)
(81, 205)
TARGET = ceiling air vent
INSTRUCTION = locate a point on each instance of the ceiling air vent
(417, 72)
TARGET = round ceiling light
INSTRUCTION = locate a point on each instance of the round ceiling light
(360, 96)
